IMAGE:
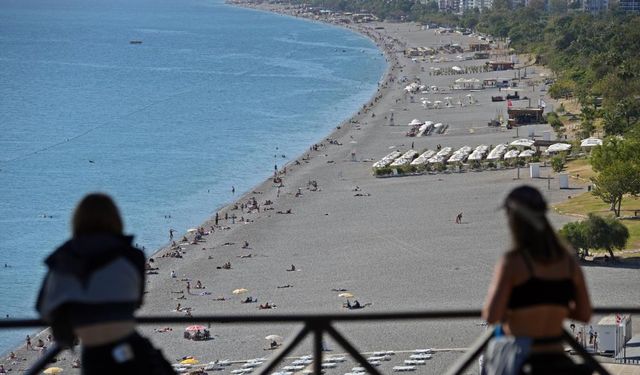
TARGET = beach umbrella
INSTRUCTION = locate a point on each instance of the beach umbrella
(274, 338)
(240, 291)
(189, 361)
(345, 295)
(191, 230)
(196, 327)
(591, 142)
(53, 370)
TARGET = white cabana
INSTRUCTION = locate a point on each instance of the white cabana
(497, 152)
(423, 158)
(558, 147)
(456, 69)
(511, 154)
(591, 142)
(405, 159)
(526, 154)
(522, 143)
(475, 156)
(415, 122)
(385, 161)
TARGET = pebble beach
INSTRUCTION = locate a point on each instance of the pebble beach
(391, 242)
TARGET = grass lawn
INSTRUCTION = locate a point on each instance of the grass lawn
(586, 203)
(580, 168)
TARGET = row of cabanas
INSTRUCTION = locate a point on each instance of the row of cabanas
(420, 128)
(519, 148)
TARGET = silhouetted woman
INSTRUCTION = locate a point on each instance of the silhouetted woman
(536, 285)
(94, 284)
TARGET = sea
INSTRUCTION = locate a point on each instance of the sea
(208, 97)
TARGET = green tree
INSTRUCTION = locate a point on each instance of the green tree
(596, 233)
(575, 233)
(557, 163)
(605, 233)
(618, 167)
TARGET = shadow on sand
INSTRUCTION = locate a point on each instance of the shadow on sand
(627, 263)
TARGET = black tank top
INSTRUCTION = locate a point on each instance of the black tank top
(542, 291)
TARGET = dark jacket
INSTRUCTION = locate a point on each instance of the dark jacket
(91, 279)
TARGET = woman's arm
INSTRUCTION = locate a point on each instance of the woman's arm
(495, 305)
(582, 309)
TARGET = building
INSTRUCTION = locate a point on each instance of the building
(629, 5)
(450, 5)
(595, 6)
(480, 4)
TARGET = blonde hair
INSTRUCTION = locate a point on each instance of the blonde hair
(96, 213)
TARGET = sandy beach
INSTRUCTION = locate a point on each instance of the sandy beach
(392, 242)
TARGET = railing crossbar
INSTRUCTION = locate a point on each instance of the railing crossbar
(321, 323)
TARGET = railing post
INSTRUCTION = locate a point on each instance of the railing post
(318, 328)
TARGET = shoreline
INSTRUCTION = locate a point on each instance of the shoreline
(403, 234)
(337, 131)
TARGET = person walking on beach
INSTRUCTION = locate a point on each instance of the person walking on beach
(233, 190)
(94, 284)
(459, 218)
(28, 343)
(217, 217)
(171, 234)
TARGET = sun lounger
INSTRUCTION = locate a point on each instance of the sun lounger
(429, 350)
(251, 364)
(420, 356)
(358, 369)
(334, 359)
(411, 362)
(293, 368)
(301, 362)
(404, 368)
(329, 365)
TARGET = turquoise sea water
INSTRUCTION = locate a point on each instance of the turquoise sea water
(207, 100)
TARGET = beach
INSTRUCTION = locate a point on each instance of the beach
(391, 242)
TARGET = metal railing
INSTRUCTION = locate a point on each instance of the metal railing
(318, 325)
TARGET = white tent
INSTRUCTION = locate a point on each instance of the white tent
(522, 143)
(558, 147)
(591, 142)
(415, 122)
(511, 154)
(526, 154)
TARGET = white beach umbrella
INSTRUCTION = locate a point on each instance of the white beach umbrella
(591, 142)
(558, 147)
